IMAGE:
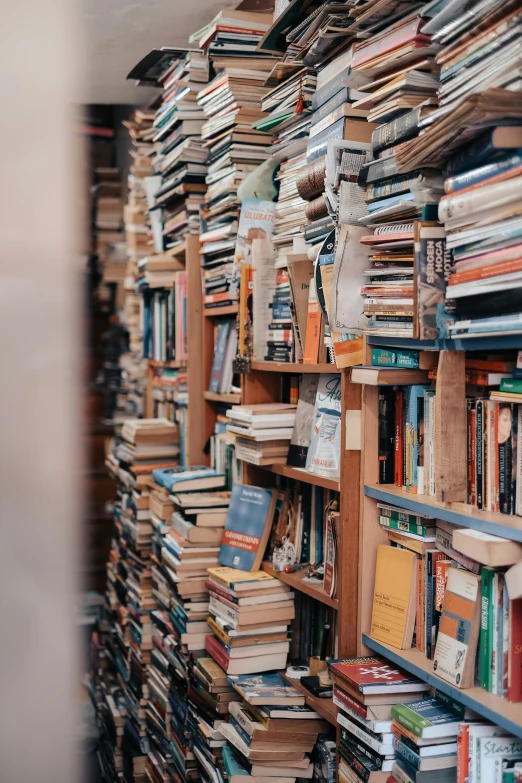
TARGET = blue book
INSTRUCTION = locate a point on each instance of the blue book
(247, 528)
(506, 162)
(482, 149)
(195, 478)
(266, 689)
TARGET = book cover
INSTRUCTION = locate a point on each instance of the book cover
(302, 431)
(247, 528)
(373, 674)
(325, 445)
(394, 598)
(220, 345)
(256, 221)
(427, 718)
(180, 477)
(266, 690)
(459, 629)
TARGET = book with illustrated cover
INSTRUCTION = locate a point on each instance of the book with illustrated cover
(196, 477)
(324, 451)
(302, 432)
(247, 528)
(373, 674)
(266, 690)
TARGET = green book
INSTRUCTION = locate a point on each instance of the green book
(428, 718)
(511, 385)
(231, 765)
(407, 527)
(383, 357)
(403, 516)
(486, 630)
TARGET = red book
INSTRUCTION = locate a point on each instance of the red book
(374, 675)
(219, 593)
(351, 704)
(514, 693)
(462, 753)
(213, 647)
(399, 435)
(395, 38)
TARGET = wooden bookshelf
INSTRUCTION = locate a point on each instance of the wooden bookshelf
(324, 707)
(296, 580)
(299, 474)
(173, 365)
(233, 399)
(488, 706)
(294, 368)
(218, 312)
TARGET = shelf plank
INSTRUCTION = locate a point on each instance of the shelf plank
(234, 399)
(479, 343)
(216, 312)
(295, 580)
(174, 365)
(457, 513)
(488, 706)
(178, 250)
(324, 707)
(294, 368)
(303, 475)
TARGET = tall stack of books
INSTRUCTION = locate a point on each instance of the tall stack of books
(365, 690)
(271, 731)
(180, 158)
(141, 133)
(249, 614)
(262, 432)
(143, 445)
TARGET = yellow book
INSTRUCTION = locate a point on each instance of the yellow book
(394, 597)
(235, 579)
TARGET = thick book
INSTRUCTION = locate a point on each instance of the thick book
(427, 718)
(247, 528)
(394, 598)
(458, 634)
(373, 674)
(182, 479)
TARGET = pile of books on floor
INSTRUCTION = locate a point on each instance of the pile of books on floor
(180, 158)
(231, 104)
(262, 432)
(270, 731)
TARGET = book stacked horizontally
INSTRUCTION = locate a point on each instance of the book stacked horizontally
(144, 444)
(180, 158)
(249, 614)
(271, 732)
(365, 690)
(262, 431)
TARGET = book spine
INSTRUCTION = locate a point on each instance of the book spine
(478, 175)
(486, 458)
(462, 753)
(408, 718)
(485, 638)
(317, 145)
(397, 130)
(494, 631)
(504, 642)
(518, 506)
(402, 527)
(480, 453)
(324, 107)
(213, 647)
(514, 689)
(387, 43)
(463, 204)
(515, 448)
(351, 760)
(406, 752)
(472, 155)
(505, 455)
(399, 437)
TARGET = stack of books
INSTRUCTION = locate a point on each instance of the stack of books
(365, 690)
(180, 158)
(143, 445)
(231, 38)
(262, 432)
(271, 731)
(249, 614)
(141, 133)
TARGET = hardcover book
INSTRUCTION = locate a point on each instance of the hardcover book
(247, 528)
(373, 674)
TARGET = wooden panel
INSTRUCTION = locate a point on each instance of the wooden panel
(217, 312)
(198, 424)
(450, 428)
(348, 526)
(294, 368)
(257, 387)
(304, 475)
(295, 580)
(371, 533)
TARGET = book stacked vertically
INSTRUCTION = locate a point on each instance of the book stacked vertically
(231, 104)
(262, 432)
(271, 731)
(180, 158)
(364, 691)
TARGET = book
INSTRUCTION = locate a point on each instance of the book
(267, 690)
(373, 674)
(324, 450)
(427, 718)
(394, 601)
(457, 638)
(197, 478)
(247, 528)
(491, 551)
(302, 429)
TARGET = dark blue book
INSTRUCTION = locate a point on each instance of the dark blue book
(485, 147)
(511, 161)
(247, 528)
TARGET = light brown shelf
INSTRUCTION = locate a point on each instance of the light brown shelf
(303, 475)
(174, 365)
(234, 399)
(294, 368)
(324, 707)
(295, 580)
(216, 312)
(180, 250)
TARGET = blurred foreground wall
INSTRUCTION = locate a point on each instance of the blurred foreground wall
(40, 407)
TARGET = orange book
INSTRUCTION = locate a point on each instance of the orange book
(491, 270)
(314, 321)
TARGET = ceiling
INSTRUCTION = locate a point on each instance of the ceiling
(118, 33)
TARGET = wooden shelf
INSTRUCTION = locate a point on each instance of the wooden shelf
(216, 312)
(303, 475)
(462, 514)
(179, 250)
(479, 343)
(488, 706)
(234, 399)
(325, 707)
(174, 365)
(295, 580)
(294, 368)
